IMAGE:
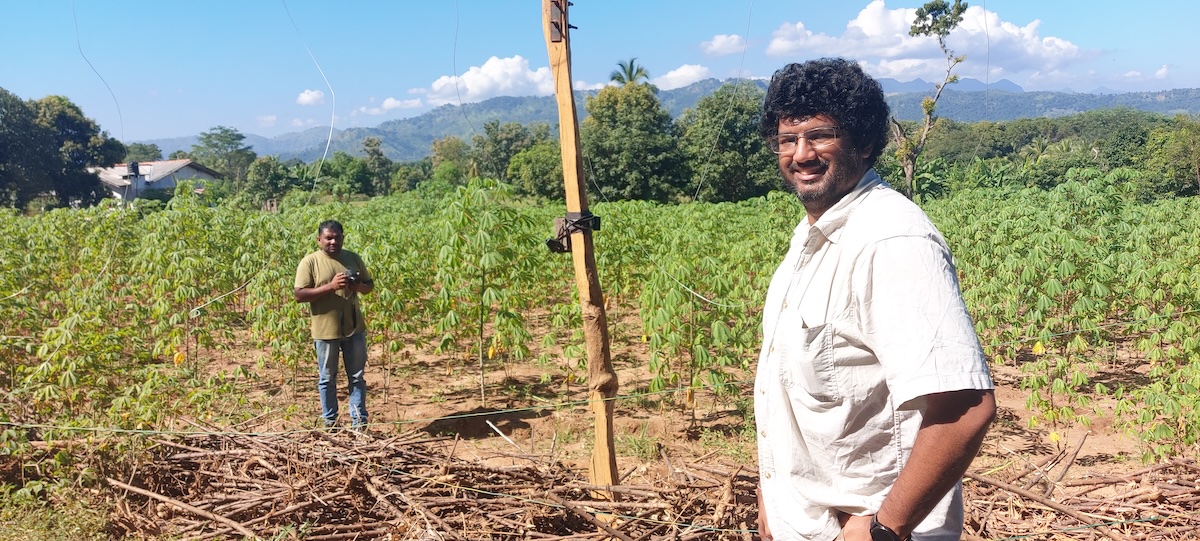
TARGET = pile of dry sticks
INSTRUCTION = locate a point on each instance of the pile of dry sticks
(1037, 500)
(348, 485)
(345, 485)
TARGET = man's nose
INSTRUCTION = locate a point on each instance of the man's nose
(803, 149)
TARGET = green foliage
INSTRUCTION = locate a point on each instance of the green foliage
(46, 147)
(538, 171)
(221, 149)
(378, 167)
(485, 247)
(142, 152)
(494, 150)
(1059, 281)
(1172, 158)
(728, 159)
(629, 145)
(628, 73)
(937, 19)
(112, 315)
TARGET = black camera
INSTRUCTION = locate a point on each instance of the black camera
(353, 276)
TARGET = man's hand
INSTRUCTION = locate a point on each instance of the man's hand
(340, 281)
(764, 531)
(855, 528)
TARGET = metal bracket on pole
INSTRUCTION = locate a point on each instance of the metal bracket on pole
(556, 20)
(574, 222)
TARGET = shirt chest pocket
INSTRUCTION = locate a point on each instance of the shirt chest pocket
(807, 363)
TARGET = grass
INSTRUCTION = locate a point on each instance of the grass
(66, 516)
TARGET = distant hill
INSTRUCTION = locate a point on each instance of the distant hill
(968, 100)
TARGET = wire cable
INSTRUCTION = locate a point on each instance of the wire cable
(332, 95)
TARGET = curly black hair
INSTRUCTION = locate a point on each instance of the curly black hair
(835, 87)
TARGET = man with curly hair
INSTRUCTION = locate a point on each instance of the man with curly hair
(872, 394)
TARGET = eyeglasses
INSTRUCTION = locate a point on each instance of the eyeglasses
(785, 143)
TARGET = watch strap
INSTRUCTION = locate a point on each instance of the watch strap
(879, 532)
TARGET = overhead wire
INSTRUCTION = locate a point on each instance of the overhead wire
(79, 45)
(332, 95)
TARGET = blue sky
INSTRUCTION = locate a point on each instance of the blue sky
(149, 69)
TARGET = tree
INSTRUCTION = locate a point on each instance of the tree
(727, 158)
(629, 73)
(500, 142)
(630, 145)
(936, 19)
(26, 153)
(221, 149)
(451, 149)
(1174, 157)
(80, 144)
(347, 175)
(267, 178)
(142, 152)
(409, 174)
(537, 171)
(379, 167)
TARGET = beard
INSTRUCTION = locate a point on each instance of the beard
(838, 178)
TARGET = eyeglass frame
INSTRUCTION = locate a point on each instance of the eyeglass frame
(775, 146)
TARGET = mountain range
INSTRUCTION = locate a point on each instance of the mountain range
(968, 100)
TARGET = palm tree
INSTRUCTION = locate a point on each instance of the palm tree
(629, 73)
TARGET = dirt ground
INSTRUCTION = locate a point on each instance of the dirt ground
(537, 413)
(541, 410)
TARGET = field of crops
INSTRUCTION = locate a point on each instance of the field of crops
(106, 311)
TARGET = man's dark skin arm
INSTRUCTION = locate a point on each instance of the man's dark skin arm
(309, 294)
(951, 434)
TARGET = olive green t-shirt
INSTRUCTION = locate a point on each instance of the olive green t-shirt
(335, 315)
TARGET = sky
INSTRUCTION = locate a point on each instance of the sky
(154, 69)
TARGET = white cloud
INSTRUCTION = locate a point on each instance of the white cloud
(310, 97)
(389, 104)
(682, 76)
(724, 44)
(1162, 72)
(1135, 75)
(994, 49)
(496, 77)
(266, 121)
(582, 85)
(303, 122)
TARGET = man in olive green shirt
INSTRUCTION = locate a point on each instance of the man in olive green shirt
(329, 280)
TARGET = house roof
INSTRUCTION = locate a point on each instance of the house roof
(118, 175)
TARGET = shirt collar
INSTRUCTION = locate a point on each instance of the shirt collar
(830, 223)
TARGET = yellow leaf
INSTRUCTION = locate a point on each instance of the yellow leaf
(691, 397)
(645, 338)
(491, 352)
(1038, 348)
(1054, 437)
(179, 358)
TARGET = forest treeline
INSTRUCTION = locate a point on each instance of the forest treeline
(632, 149)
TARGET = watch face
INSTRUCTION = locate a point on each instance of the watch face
(880, 532)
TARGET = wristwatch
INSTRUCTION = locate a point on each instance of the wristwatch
(879, 532)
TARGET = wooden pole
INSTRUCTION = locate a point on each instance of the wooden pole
(602, 380)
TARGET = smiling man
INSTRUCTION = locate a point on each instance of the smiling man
(872, 395)
(330, 280)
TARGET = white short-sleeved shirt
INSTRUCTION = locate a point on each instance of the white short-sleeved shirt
(863, 318)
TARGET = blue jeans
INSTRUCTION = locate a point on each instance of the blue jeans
(354, 354)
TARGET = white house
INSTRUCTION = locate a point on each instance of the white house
(131, 180)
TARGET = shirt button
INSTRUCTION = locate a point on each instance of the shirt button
(784, 306)
(772, 350)
(767, 475)
(763, 433)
